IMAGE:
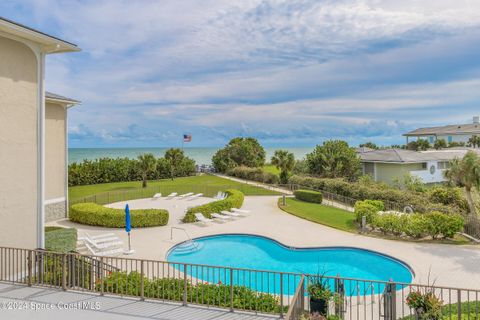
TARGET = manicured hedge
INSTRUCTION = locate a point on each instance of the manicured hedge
(97, 215)
(378, 191)
(173, 289)
(308, 196)
(234, 200)
(254, 174)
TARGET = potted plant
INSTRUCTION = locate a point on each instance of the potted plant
(320, 295)
(426, 305)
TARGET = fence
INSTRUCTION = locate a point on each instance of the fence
(258, 291)
(165, 189)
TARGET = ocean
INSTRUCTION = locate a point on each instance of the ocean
(200, 155)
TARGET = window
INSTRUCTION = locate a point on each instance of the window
(450, 139)
(430, 139)
(424, 166)
(443, 165)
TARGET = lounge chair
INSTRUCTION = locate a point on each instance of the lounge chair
(171, 195)
(101, 246)
(182, 196)
(195, 196)
(221, 216)
(201, 218)
(107, 237)
(240, 210)
(219, 196)
(112, 252)
(231, 214)
(156, 196)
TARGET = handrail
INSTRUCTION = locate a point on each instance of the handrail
(296, 304)
(177, 228)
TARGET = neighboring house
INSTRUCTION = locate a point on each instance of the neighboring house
(386, 165)
(33, 140)
(450, 133)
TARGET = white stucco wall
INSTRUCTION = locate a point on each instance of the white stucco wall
(18, 145)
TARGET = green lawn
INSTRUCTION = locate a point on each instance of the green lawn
(329, 216)
(60, 239)
(204, 183)
(271, 169)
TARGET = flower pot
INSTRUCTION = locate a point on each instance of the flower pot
(319, 305)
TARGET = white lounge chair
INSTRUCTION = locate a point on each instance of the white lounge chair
(107, 237)
(156, 196)
(195, 196)
(231, 214)
(201, 218)
(240, 210)
(171, 195)
(185, 195)
(106, 245)
(221, 216)
(220, 196)
(112, 252)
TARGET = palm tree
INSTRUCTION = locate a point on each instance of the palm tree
(174, 157)
(146, 164)
(474, 141)
(284, 161)
(466, 173)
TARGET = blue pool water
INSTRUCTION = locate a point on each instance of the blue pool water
(254, 252)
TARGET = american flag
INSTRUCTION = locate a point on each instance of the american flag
(187, 137)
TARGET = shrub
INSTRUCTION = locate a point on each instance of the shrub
(173, 289)
(443, 224)
(377, 191)
(234, 200)
(60, 239)
(97, 215)
(390, 223)
(105, 170)
(239, 152)
(255, 174)
(367, 208)
(416, 226)
(308, 196)
(448, 196)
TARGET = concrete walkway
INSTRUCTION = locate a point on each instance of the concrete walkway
(21, 302)
(446, 265)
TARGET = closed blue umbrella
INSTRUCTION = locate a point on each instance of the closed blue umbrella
(128, 226)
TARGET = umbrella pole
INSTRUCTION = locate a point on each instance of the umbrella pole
(129, 246)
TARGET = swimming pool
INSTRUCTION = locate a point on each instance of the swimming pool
(260, 253)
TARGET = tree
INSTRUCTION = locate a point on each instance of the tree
(284, 161)
(245, 152)
(466, 173)
(174, 157)
(146, 164)
(440, 144)
(419, 145)
(369, 144)
(334, 159)
(474, 141)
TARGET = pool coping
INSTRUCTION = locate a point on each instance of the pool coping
(406, 265)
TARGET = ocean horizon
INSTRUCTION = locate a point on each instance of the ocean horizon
(200, 155)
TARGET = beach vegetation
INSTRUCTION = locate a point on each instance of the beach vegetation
(247, 152)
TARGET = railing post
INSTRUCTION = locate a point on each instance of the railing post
(64, 272)
(100, 268)
(390, 302)
(185, 284)
(231, 290)
(281, 290)
(29, 265)
(340, 290)
(142, 285)
(459, 304)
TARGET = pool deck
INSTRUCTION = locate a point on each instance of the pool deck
(442, 264)
(34, 302)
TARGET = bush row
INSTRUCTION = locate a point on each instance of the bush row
(173, 289)
(97, 215)
(416, 225)
(254, 174)
(107, 170)
(378, 191)
(234, 200)
(308, 196)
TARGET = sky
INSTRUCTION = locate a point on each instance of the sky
(290, 73)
